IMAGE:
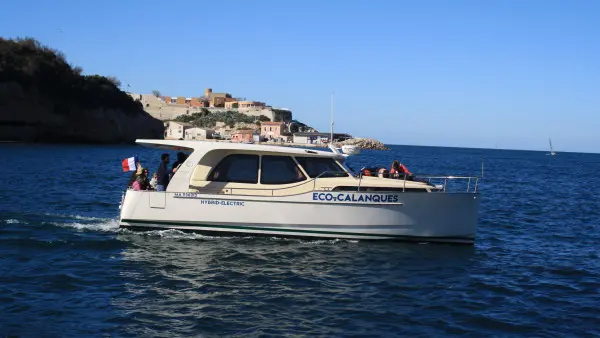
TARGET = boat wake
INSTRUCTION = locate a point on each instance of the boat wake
(111, 225)
(100, 225)
(12, 221)
(184, 235)
(83, 223)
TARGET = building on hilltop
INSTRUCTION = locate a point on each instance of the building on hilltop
(168, 108)
(251, 104)
(319, 138)
(208, 94)
(231, 105)
(272, 130)
(199, 133)
(243, 135)
(176, 130)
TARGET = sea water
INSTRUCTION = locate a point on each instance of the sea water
(67, 270)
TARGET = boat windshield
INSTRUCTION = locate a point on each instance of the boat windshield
(321, 167)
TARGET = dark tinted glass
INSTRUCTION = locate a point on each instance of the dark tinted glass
(238, 168)
(279, 170)
(321, 167)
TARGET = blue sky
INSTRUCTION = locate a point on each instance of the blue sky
(479, 74)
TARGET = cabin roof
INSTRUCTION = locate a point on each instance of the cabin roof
(204, 146)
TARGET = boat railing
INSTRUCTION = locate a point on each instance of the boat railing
(440, 183)
(449, 182)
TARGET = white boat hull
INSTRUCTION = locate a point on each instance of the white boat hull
(413, 216)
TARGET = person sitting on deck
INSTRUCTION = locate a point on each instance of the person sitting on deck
(141, 182)
(134, 174)
(154, 181)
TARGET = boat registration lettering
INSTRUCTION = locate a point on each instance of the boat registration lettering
(186, 194)
(221, 202)
(208, 201)
(359, 198)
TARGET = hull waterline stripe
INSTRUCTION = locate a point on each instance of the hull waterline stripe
(235, 227)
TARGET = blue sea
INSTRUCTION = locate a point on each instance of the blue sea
(67, 270)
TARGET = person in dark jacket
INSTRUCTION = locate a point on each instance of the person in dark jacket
(163, 173)
(143, 181)
(181, 157)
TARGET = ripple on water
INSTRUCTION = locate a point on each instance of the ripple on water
(66, 269)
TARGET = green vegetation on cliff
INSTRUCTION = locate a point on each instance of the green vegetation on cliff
(32, 65)
(52, 101)
(281, 115)
(209, 120)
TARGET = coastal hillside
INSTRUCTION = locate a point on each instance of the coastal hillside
(45, 99)
(237, 120)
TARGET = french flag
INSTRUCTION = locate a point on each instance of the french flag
(129, 164)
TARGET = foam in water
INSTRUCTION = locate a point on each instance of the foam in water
(112, 225)
(105, 225)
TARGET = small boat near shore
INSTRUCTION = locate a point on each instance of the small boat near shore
(248, 189)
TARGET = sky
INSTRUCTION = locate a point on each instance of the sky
(507, 74)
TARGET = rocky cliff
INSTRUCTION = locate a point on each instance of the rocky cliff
(363, 143)
(44, 99)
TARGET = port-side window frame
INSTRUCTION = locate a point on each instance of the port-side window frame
(229, 161)
(299, 175)
(341, 172)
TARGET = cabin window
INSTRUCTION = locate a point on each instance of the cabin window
(239, 168)
(321, 167)
(279, 170)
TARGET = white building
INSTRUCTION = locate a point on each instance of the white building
(176, 130)
(318, 138)
(199, 133)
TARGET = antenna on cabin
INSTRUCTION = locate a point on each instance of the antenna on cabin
(331, 135)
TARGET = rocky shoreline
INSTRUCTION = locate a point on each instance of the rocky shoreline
(363, 143)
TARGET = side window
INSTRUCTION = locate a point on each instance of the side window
(280, 170)
(321, 167)
(237, 168)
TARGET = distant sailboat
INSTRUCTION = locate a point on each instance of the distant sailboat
(552, 152)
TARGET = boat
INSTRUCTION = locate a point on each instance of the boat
(265, 190)
(552, 152)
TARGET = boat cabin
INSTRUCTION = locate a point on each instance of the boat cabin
(265, 170)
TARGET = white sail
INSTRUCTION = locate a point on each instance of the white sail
(552, 152)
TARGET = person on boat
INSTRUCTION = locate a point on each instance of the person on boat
(383, 173)
(141, 182)
(181, 157)
(399, 170)
(134, 175)
(153, 181)
(299, 174)
(163, 173)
